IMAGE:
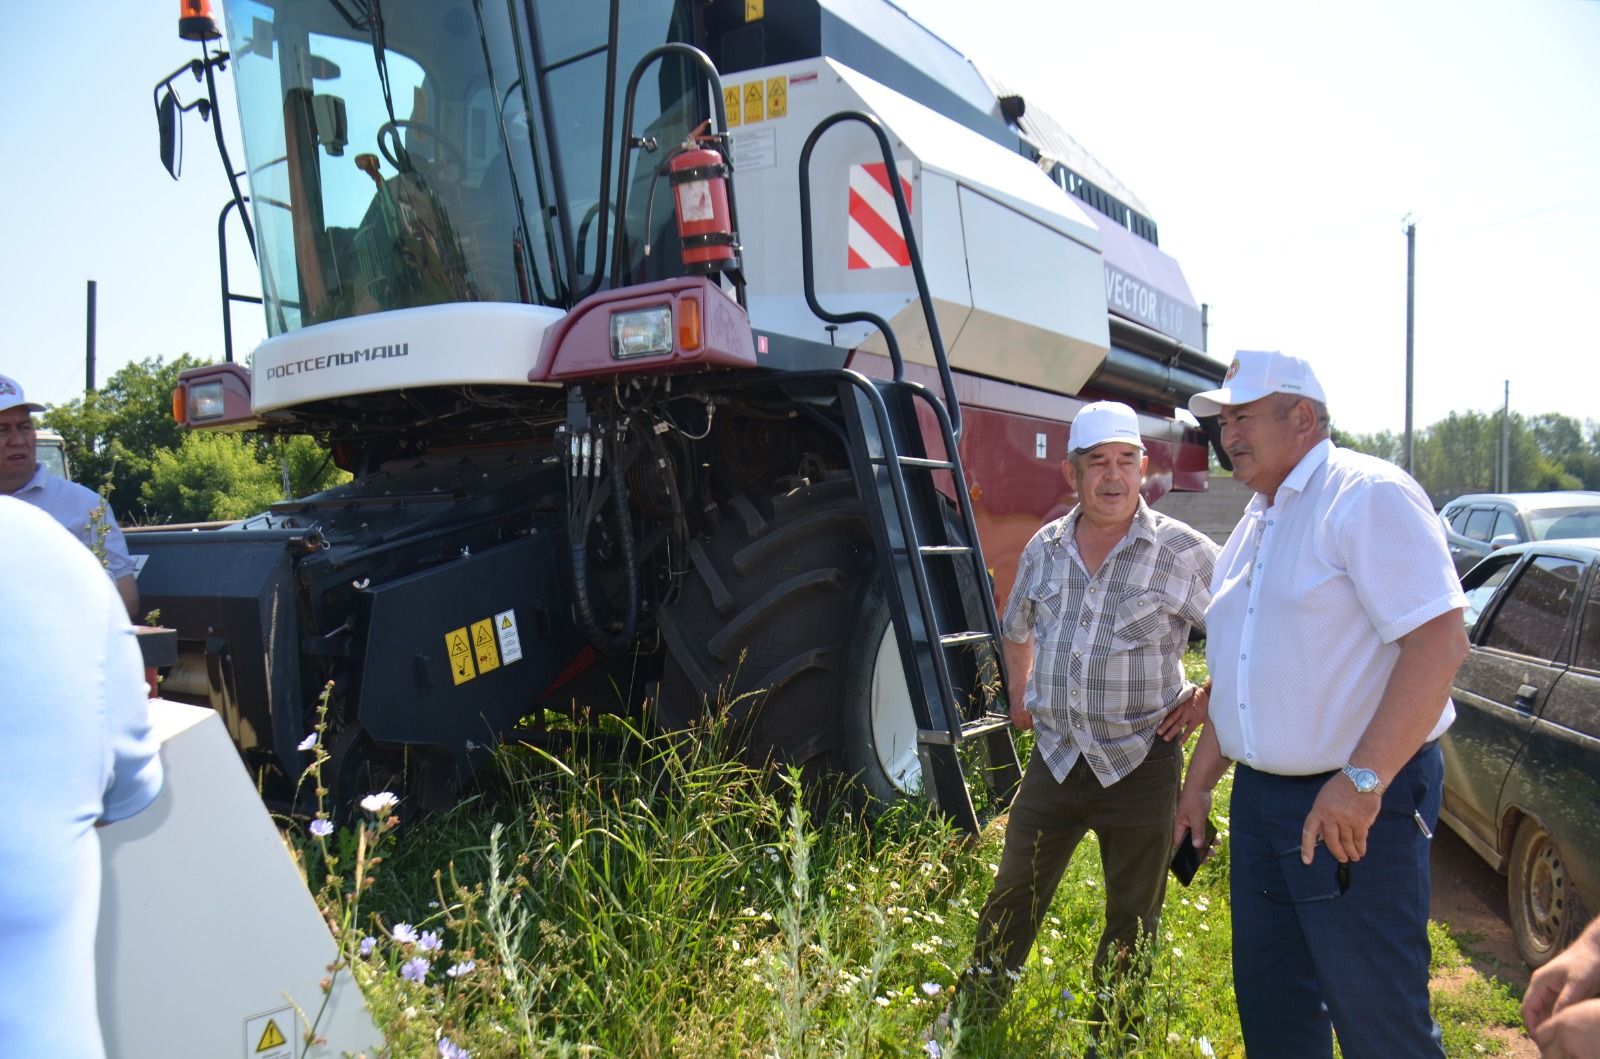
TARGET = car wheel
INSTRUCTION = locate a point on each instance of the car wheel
(1545, 911)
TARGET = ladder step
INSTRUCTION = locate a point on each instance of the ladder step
(970, 729)
(957, 639)
(916, 461)
(945, 549)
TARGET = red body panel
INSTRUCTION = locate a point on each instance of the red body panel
(580, 345)
(1014, 490)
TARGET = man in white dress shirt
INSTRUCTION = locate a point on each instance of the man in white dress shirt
(1334, 631)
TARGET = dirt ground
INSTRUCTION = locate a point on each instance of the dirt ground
(1470, 898)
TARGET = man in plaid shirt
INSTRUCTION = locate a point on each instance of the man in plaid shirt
(1095, 631)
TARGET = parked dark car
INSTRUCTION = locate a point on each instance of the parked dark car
(1522, 760)
(1479, 523)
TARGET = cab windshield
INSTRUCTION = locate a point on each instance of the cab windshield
(419, 152)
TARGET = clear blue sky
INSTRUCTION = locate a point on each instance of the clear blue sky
(1278, 147)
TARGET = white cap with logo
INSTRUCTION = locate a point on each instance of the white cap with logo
(1103, 421)
(11, 396)
(1253, 375)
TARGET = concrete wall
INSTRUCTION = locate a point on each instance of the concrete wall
(1214, 512)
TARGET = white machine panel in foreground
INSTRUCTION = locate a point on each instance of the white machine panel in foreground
(208, 938)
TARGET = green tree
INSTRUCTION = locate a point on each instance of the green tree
(1385, 444)
(113, 435)
(211, 476)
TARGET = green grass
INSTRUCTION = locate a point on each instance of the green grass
(672, 904)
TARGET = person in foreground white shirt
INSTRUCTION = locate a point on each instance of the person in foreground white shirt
(75, 750)
(1334, 631)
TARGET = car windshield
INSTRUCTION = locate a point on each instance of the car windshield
(1565, 523)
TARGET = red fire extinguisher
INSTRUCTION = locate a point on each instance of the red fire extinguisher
(699, 178)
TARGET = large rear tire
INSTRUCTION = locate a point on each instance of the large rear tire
(761, 629)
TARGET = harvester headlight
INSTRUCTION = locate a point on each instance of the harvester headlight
(205, 401)
(642, 332)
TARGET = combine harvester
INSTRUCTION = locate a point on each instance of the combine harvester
(687, 356)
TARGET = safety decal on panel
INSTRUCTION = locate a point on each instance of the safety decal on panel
(876, 240)
(264, 1036)
(754, 100)
(505, 628)
(777, 97)
(459, 647)
(730, 103)
(755, 10)
(483, 645)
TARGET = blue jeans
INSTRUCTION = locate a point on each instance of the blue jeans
(1307, 957)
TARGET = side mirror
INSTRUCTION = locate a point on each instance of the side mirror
(167, 118)
(1504, 539)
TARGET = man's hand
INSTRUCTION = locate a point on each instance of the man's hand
(1571, 977)
(1194, 807)
(1573, 1033)
(1020, 716)
(1187, 715)
(1340, 817)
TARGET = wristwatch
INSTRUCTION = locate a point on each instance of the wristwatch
(1366, 781)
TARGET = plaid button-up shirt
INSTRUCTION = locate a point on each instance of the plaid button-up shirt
(1108, 649)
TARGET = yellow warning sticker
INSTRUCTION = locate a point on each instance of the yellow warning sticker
(777, 97)
(730, 103)
(460, 650)
(755, 10)
(271, 1037)
(483, 645)
(754, 101)
(266, 1035)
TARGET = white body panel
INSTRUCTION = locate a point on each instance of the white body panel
(206, 927)
(1013, 263)
(467, 344)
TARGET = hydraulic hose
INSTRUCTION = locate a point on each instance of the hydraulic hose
(607, 643)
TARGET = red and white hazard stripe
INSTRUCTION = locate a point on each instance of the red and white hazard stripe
(876, 240)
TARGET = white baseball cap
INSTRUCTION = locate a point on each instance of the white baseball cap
(1103, 421)
(1253, 375)
(11, 396)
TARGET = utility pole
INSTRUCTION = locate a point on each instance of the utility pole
(1411, 272)
(88, 364)
(1505, 442)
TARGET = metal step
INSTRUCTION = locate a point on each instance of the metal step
(957, 639)
(915, 461)
(970, 729)
(945, 549)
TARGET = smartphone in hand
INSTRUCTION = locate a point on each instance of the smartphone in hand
(1186, 859)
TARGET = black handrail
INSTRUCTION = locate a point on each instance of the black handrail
(863, 316)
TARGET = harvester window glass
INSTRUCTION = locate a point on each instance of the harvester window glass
(388, 156)
(399, 155)
(573, 39)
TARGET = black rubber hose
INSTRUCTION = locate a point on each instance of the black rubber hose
(620, 641)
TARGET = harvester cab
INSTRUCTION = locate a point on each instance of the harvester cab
(616, 442)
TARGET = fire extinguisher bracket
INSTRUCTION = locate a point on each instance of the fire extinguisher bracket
(703, 172)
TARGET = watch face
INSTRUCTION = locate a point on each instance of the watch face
(1365, 780)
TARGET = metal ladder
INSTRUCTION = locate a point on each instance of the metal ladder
(945, 635)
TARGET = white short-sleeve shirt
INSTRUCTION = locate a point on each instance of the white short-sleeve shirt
(1309, 597)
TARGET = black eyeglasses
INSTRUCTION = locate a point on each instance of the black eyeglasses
(1341, 879)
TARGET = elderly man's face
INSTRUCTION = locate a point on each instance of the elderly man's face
(1265, 439)
(17, 444)
(1107, 480)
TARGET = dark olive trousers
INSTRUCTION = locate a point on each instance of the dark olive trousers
(1132, 819)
